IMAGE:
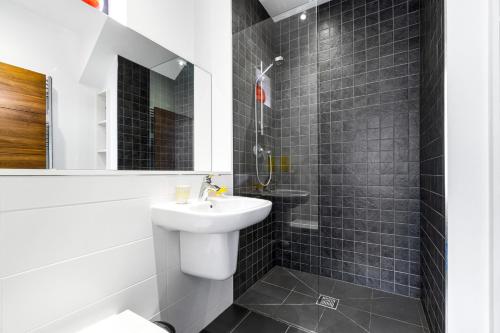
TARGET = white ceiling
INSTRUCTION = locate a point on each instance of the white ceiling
(277, 7)
(116, 39)
(281, 9)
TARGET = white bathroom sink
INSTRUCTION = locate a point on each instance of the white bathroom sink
(209, 231)
(219, 215)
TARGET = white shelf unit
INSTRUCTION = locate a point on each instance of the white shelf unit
(101, 139)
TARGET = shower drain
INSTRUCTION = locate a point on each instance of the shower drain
(328, 302)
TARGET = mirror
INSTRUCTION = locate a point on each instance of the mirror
(78, 90)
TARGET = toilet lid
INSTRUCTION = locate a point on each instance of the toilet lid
(125, 322)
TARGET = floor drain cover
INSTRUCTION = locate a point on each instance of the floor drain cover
(328, 302)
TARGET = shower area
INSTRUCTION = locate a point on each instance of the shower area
(329, 124)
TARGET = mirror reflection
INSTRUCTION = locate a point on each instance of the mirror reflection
(82, 91)
(155, 116)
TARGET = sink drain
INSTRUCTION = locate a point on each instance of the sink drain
(328, 302)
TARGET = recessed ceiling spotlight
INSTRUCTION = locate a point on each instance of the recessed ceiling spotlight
(303, 16)
(181, 62)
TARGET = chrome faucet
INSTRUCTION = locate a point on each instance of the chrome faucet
(206, 187)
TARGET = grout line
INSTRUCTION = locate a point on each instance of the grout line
(295, 291)
(282, 321)
(398, 320)
(317, 292)
(420, 315)
(284, 300)
(274, 304)
(350, 283)
(333, 289)
(423, 318)
(276, 285)
(77, 204)
(388, 292)
(364, 329)
(241, 321)
(354, 308)
(321, 317)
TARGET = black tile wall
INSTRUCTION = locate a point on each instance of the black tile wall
(184, 109)
(134, 121)
(345, 118)
(295, 116)
(251, 44)
(369, 143)
(246, 14)
(433, 228)
(255, 256)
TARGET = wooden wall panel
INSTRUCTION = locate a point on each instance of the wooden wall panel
(16, 101)
(22, 118)
(21, 80)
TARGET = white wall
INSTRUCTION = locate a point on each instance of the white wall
(169, 23)
(201, 32)
(30, 41)
(75, 249)
(197, 30)
(112, 116)
(495, 149)
(467, 166)
(213, 51)
(202, 120)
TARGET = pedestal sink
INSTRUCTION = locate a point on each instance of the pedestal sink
(209, 231)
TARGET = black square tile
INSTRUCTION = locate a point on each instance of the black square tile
(228, 320)
(259, 323)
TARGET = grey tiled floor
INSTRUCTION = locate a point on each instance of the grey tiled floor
(290, 296)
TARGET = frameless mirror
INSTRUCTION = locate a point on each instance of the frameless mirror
(78, 90)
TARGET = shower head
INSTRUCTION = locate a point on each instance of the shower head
(279, 60)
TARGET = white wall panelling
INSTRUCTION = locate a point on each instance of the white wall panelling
(80, 230)
(37, 297)
(192, 312)
(74, 249)
(141, 298)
